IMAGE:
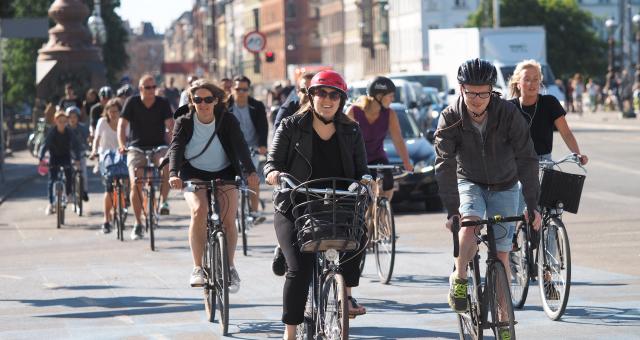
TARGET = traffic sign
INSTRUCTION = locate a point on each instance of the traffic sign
(255, 41)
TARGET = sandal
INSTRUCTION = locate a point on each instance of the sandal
(355, 309)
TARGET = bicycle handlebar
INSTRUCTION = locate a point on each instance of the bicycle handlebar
(571, 158)
(456, 225)
(193, 186)
(152, 151)
(285, 181)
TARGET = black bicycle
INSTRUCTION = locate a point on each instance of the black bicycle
(215, 262)
(78, 190)
(120, 204)
(60, 191)
(243, 217)
(545, 255)
(488, 303)
(329, 219)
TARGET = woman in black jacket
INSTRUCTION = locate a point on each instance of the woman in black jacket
(192, 157)
(318, 141)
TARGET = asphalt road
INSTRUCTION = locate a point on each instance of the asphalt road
(77, 283)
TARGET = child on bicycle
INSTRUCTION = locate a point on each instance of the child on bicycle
(482, 149)
(105, 144)
(81, 132)
(62, 147)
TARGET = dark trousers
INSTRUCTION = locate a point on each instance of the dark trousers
(53, 175)
(300, 269)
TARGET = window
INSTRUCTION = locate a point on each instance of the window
(460, 4)
(290, 10)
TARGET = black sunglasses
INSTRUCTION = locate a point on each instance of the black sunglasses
(150, 87)
(208, 100)
(482, 95)
(241, 89)
(334, 95)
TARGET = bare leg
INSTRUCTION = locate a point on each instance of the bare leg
(228, 200)
(136, 196)
(197, 202)
(468, 248)
(107, 207)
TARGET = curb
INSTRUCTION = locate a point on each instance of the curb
(17, 186)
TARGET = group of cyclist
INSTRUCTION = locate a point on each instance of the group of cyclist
(487, 152)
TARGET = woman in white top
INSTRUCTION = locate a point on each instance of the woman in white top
(191, 157)
(105, 141)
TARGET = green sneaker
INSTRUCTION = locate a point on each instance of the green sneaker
(504, 333)
(457, 294)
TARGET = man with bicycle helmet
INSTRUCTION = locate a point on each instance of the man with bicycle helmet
(483, 149)
(319, 141)
(376, 120)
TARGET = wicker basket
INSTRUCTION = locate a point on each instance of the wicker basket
(561, 187)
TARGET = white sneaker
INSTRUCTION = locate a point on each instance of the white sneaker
(49, 210)
(197, 277)
(234, 280)
(136, 232)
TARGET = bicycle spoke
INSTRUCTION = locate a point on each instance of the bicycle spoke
(554, 269)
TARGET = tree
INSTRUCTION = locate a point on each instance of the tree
(20, 55)
(572, 43)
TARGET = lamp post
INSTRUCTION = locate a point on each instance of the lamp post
(96, 25)
(611, 26)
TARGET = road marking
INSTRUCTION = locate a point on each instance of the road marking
(615, 167)
(19, 232)
(611, 197)
(13, 277)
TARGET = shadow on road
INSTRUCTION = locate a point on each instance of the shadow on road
(86, 287)
(399, 333)
(598, 315)
(376, 306)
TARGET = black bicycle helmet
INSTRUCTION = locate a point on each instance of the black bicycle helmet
(125, 91)
(477, 72)
(105, 92)
(380, 85)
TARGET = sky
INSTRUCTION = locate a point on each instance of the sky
(159, 12)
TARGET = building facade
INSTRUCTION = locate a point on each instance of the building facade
(146, 51)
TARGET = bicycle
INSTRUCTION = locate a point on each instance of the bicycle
(119, 204)
(78, 190)
(243, 217)
(61, 195)
(215, 262)
(488, 303)
(560, 192)
(381, 226)
(149, 180)
(328, 221)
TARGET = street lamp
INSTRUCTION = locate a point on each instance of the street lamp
(611, 26)
(96, 25)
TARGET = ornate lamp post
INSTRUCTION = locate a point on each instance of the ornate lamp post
(611, 26)
(96, 25)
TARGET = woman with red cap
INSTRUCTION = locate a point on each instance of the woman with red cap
(318, 141)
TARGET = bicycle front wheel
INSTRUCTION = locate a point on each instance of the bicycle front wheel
(243, 214)
(334, 312)
(385, 241)
(151, 217)
(554, 268)
(209, 288)
(79, 190)
(59, 205)
(469, 322)
(519, 261)
(221, 277)
(499, 302)
(121, 212)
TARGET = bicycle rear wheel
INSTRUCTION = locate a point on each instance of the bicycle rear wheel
(469, 323)
(554, 268)
(221, 277)
(502, 319)
(385, 241)
(334, 311)
(151, 217)
(243, 214)
(209, 288)
(59, 205)
(519, 261)
(121, 212)
(79, 190)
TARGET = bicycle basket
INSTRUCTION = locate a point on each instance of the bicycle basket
(113, 164)
(329, 218)
(558, 186)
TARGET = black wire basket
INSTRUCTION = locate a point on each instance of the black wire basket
(329, 214)
(561, 187)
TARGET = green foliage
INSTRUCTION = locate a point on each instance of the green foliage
(114, 53)
(572, 44)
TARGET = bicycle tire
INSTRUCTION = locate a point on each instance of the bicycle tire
(385, 241)
(499, 307)
(59, 205)
(121, 213)
(244, 212)
(221, 276)
(306, 330)
(556, 267)
(334, 311)
(151, 220)
(519, 261)
(79, 189)
(209, 287)
(469, 323)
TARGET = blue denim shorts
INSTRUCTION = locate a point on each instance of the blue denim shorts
(480, 202)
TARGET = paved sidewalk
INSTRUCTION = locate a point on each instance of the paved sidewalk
(603, 120)
(19, 168)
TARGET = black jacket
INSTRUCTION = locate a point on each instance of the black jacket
(286, 110)
(291, 151)
(258, 115)
(497, 160)
(229, 134)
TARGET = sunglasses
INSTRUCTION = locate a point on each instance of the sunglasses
(241, 89)
(333, 95)
(150, 87)
(208, 100)
(482, 95)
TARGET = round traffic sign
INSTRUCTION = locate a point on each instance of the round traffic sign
(255, 41)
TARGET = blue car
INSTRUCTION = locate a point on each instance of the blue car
(421, 184)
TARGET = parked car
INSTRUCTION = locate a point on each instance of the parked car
(421, 184)
(429, 79)
(430, 110)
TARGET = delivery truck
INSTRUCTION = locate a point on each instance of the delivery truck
(505, 47)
